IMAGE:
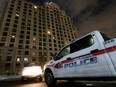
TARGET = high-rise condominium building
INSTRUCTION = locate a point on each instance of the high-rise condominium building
(30, 32)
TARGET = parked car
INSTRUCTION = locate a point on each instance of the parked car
(31, 71)
(91, 57)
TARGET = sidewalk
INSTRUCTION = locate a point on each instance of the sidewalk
(2, 78)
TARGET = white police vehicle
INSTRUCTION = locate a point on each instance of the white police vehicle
(91, 57)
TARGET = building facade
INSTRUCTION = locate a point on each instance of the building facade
(30, 32)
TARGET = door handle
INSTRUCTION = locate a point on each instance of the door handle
(93, 51)
(69, 58)
(51, 62)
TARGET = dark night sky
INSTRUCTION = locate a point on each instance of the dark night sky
(87, 15)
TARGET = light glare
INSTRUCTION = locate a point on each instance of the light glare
(32, 71)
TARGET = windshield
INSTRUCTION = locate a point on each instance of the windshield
(32, 64)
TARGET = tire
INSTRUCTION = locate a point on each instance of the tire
(71, 80)
(22, 79)
(49, 78)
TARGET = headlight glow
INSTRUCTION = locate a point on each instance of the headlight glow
(32, 71)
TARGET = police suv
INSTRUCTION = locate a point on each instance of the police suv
(91, 57)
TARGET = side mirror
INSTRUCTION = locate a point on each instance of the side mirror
(51, 54)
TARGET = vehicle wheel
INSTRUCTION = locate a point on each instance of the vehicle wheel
(71, 80)
(22, 79)
(49, 78)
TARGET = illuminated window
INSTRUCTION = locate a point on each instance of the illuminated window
(13, 36)
(26, 59)
(49, 32)
(34, 38)
(33, 53)
(17, 15)
(18, 59)
(35, 7)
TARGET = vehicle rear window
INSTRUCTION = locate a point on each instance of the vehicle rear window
(82, 44)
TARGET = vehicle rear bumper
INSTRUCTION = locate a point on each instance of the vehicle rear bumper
(31, 77)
